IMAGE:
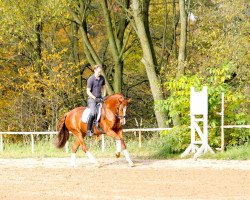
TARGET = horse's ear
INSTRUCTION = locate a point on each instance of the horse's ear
(121, 99)
(129, 100)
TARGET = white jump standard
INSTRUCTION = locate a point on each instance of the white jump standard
(198, 113)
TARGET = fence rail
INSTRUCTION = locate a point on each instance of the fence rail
(236, 126)
(67, 145)
(29, 133)
(32, 138)
(139, 130)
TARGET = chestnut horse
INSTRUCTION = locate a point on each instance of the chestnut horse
(111, 121)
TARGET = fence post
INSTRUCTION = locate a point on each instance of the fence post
(222, 122)
(103, 143)
(67, 147)
(140, 138)
(1, 142)
(32, 143)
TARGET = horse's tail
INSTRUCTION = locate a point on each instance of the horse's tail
(63, 133)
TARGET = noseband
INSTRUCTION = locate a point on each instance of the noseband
(120, 116)
(118, 109)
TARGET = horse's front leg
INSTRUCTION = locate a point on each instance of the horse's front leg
(125, 150)
(120, 144)
(84, 148)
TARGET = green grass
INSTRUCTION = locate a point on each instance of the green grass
(151, 149)
(232, 153)
(42, 149)
(154, 148)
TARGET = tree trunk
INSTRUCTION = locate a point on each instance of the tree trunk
(145, 7)
(174, 29)
(38, 48)
(38, 51)
(117, 85)
(182, 49)
(89, 51)
(183, 39)
(122, 27)
(75, 51)
(148, 60)
(74, 42)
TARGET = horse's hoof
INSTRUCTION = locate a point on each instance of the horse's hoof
(131, 164)
(73, 165)
(118, 155)
(98, 165)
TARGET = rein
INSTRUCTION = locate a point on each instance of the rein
(118, 108)
(119, 116)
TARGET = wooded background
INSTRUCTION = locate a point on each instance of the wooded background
(152, 51)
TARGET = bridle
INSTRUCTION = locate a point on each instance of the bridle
(118, 111)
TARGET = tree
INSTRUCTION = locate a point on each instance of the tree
(183, 38)
(116, 28)
(148, 58)
(115, 45)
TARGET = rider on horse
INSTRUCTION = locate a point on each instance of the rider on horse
(95, 89)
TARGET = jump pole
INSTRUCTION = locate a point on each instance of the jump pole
(198, 113)
(140, 138)
(32, 143)
(67, 147)
(1, 142)
(222, 122)
(103, 143)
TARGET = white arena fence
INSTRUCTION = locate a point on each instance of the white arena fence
(140, 130)
(134, 130)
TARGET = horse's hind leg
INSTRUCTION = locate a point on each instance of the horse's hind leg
(80, 142)
(85, 149)
(73, 154)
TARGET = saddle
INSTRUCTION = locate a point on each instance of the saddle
(98, 114)
(86, 114)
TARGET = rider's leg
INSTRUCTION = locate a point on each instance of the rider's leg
(92, 107)
(90, 124)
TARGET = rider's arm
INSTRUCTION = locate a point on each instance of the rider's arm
(104, 90)
(90, 94)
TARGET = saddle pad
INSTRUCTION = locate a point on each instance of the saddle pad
(85, 115)
(99, 112)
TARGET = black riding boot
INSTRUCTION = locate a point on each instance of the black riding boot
(89, 126)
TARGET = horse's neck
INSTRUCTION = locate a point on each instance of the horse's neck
(108, 112)
(112, 107)
(111, 104)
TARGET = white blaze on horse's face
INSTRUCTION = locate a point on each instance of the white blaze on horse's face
(124, 115)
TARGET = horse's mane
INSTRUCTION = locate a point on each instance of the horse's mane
(112, 101)
(114, 97)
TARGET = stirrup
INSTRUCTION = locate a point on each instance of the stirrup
(89, 133)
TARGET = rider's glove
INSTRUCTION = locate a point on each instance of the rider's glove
(98, 100)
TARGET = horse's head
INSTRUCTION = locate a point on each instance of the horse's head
(121, 109)
(118, 105)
